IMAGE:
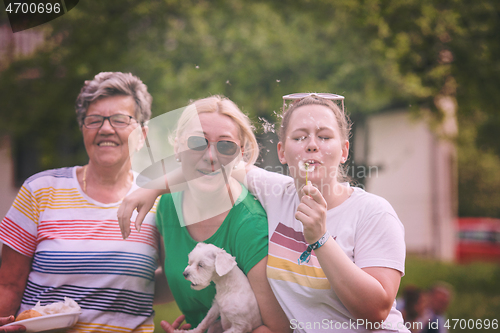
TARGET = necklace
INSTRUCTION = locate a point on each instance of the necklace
(85, 178)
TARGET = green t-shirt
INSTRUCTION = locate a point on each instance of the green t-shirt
(243, 234)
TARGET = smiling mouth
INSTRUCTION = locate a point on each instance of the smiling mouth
(107, 144)
(209, 172)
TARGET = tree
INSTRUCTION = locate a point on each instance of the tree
(380, 54)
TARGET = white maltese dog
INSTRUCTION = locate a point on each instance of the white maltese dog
(234, 301)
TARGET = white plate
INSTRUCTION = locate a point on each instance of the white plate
(48, 322)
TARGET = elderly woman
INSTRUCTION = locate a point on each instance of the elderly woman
(61, 235)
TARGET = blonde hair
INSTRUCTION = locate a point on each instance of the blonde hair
(223, 105)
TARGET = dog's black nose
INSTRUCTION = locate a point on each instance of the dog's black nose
(186, 274)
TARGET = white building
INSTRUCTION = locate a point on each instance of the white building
(415, 170)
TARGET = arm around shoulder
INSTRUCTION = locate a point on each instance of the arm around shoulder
(143, 199)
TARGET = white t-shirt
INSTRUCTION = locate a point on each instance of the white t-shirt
(365, 226)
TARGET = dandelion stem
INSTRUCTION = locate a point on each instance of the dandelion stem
(306, 165)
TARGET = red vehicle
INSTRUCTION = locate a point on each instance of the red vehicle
(478, 239)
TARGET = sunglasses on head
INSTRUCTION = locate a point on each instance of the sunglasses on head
(199, 143)
(299, 96)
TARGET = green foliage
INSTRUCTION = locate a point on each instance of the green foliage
(379, 54)
(252, 52)
(478, 173)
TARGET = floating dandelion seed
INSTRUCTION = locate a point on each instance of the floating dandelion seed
(278, 81)
(197, 67)
(278, 115)
(227, 82)
(266, 125)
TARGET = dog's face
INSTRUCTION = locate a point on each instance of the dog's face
(207, 261)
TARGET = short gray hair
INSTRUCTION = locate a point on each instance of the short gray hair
(108, 84)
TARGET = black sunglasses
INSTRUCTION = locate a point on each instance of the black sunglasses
(199, 143)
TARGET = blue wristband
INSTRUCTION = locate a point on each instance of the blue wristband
(306, 255)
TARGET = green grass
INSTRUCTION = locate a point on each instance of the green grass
(477, 290)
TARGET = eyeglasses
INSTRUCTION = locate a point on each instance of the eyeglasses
(116, 120)
(199, 143)
(299, 96)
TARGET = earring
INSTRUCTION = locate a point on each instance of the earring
(177, 159)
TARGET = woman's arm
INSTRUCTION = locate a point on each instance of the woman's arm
(143, 199)
(273, 317)
(367, 293)
(14, 271)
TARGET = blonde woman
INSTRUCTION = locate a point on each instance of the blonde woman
(212, 137)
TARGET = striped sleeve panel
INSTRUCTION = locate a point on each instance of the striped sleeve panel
(26, 204)
(285, 247)
(17, 238)
(63, 198)
(95, 230)
(99, 299)
(115, 263)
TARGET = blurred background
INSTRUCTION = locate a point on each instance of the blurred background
(420, 77)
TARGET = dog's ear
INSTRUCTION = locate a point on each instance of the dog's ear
(224, 263)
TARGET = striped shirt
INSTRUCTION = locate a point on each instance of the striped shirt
(78, 252)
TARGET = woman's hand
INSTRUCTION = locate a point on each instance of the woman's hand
(10, 329)
(143, 200)
(175, 325)
(312, 213)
